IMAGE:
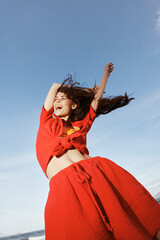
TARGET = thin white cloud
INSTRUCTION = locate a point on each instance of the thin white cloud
(157, 28)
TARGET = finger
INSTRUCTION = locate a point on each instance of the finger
(109, 64)
(111, 69)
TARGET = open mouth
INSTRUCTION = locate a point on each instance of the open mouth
(58, 107)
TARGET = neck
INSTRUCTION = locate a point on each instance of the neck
(66, 122)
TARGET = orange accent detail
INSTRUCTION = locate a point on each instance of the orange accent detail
(69, 130)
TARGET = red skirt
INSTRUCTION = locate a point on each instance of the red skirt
(95, 199)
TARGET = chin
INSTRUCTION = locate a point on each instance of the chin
(60, 116)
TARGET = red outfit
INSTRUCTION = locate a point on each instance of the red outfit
(49, 144)
(93, 199)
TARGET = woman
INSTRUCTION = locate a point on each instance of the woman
(89, 198)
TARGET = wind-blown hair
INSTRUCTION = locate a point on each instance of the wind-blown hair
(83, 97)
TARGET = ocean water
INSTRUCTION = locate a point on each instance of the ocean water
(36, 235)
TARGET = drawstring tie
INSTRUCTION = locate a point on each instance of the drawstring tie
(82, 176)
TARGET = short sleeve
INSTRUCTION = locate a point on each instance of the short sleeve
(46, 115)
(87, 121)
(91, 115)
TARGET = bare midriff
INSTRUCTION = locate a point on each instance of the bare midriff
(56, 164)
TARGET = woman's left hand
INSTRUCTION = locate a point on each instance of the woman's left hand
(108, 68)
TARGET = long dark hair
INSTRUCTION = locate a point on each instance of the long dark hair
(83, 97)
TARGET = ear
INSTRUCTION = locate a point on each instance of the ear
(74, 106)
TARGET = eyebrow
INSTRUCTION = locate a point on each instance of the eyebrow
(60, 96)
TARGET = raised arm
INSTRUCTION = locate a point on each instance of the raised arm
(100, 89)
(48, 104)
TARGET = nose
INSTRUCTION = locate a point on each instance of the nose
(58, 100)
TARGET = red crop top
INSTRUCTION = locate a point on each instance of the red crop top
(49, 143)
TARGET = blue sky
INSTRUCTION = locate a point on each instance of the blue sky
(43, 40)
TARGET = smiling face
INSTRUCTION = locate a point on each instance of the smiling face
(63, 106)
